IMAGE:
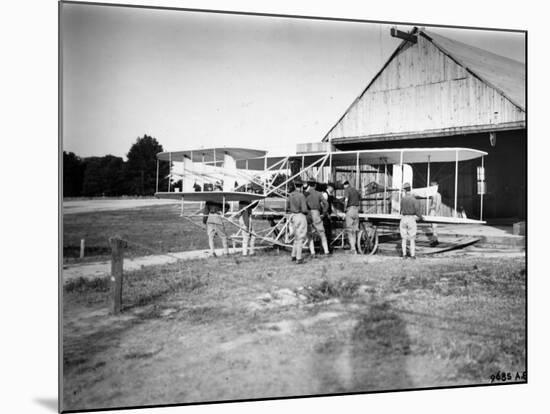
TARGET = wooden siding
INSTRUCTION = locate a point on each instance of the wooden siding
(423, 89)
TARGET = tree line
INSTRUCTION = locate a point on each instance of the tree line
(112, 176)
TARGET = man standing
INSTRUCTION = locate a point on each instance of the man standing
(407, 225)
(317, 205)
(328, 195)
(214, 225)
(435, 210)
(352, 199)
(245, 221)
(305, 191)
(298, 221)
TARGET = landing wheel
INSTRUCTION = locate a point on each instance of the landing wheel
(368, 240)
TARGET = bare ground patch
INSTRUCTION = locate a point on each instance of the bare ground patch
(203, 331)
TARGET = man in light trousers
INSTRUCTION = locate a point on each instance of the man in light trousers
(215, 226)
(298, 221)
(352, 200)
(245, 221)
(407, 225)
(317, 206)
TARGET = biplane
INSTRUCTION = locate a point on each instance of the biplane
(250, 177)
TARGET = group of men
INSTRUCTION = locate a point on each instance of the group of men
(311, 206)
(310, 212)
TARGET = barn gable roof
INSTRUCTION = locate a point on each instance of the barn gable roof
(502, 74)
(499, 72)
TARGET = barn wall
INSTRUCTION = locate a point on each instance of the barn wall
(505, 171)
(422, 89)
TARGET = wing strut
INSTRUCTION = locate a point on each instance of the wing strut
(274, 189)
(456, 181)
(427, 185)
(482, 192)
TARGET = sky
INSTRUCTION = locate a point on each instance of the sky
(199, 80)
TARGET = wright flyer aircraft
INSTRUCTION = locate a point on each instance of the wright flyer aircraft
(241, 178)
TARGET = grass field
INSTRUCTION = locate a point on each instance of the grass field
(159, 228)
(149, 230)
(257, 327)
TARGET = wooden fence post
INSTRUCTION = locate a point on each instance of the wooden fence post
(117, 260)
(82, 247)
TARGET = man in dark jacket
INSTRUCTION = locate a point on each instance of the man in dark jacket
(352, 201)
(317, 205)
(328, 194)
(298, 221)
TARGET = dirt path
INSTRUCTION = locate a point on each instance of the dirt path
(178, 358)
(102, 268)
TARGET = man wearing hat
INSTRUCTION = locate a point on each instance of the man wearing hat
(352, 199)
(298, 222)
(407, 225)
(317, 206)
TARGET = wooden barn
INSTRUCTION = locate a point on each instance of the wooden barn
(437, 92)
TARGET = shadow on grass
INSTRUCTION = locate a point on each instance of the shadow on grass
(380, 346)
(373, 358)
